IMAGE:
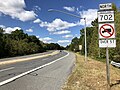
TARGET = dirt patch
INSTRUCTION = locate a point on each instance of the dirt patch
(91, 75)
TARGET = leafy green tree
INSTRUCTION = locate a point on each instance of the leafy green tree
(1, 43)
(18, 43)
(74, 46)
(89, 34)
(53, 46)
(18, 35)
(33, 39)
(93, 40)
(116, 53)
(114, 7)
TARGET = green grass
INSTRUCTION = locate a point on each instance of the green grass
(91, 75)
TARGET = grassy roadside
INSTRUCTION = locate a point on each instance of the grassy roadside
(91, 75)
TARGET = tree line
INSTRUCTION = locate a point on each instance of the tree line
(92, 41)
(18, 43)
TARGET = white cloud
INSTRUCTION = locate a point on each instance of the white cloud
(15, 9)
(90, 14)
(78, 9)
(62, 32)
(36, 9)
(81, 6)
(37, 21)
(9, 29)
(68, 36)
(2, 26)
(71, 9)
(57, 24)
(38, 36)
(29, 30)
(77, 35)
(63, 41)
(46, 39)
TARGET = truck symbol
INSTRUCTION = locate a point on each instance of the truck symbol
(106, 30)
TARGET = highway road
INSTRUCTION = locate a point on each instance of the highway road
(46, 71)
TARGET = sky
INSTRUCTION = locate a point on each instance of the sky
(33, 17)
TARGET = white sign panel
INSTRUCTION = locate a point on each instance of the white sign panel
(106, 16)
(80, 47)
(105, 6)
(107, 43)
(106, 30)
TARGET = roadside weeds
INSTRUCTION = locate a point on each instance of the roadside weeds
(91, 75)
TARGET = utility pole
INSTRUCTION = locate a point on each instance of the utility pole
(55, 10)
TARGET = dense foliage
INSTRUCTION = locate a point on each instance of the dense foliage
(92, 41)
(18, 43)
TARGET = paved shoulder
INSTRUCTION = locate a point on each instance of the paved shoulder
(51, 77)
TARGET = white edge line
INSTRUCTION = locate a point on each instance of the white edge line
(7, 69)
(30, 71)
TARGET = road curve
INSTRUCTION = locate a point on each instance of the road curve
(50, 77)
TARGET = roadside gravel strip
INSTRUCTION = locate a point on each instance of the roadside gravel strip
(27, 59)
(30, 71)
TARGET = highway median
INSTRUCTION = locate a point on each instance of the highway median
(27, 59)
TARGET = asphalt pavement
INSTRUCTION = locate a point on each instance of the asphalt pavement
(47, 73)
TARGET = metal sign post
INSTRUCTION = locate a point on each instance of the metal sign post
(107, 67)
(106, 33)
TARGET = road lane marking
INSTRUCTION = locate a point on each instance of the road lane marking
(7, 69)
(45, 59)
(27, 59)
(30, 71)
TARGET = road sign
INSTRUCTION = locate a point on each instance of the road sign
(106, 6)
(106, 30)
(106, 16)
(107, 43)
(80, 47)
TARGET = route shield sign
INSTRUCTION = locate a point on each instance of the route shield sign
(106, 16)
(106, 31)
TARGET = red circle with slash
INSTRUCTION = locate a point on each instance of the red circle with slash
(110, 34)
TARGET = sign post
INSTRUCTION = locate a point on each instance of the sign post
(106, 32)
(107, 68)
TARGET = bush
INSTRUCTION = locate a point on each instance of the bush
(116, 58)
